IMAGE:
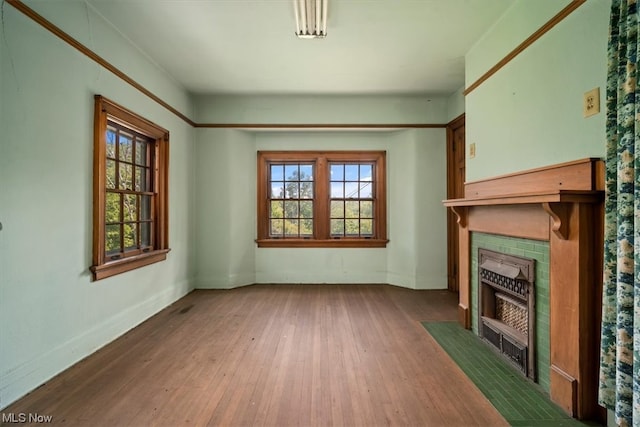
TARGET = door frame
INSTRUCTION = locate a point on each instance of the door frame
(452, 226)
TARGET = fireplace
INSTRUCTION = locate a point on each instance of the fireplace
(561, 205)
(506, 307)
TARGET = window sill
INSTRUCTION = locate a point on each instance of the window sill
(127, 264)
(316, 243)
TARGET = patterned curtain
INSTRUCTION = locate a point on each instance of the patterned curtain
(620, 348)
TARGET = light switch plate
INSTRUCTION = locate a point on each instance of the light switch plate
(472, 150)
(591, 102)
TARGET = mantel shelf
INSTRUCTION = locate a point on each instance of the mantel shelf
(554, 196)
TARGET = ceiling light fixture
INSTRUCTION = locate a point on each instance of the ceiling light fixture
(311, 18)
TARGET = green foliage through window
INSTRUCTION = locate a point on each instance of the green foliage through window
(291, 201)
(128, 200)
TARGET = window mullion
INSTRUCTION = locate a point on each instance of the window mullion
(321, 199)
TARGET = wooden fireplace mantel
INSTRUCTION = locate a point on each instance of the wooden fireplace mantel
(554, 203)
(561, 204)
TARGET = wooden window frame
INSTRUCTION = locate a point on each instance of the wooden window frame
(105, 111)
(322, 237)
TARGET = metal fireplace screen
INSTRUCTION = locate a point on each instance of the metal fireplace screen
(506, 307)
(512, 313)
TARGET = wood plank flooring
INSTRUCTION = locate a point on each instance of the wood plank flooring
(274, 355)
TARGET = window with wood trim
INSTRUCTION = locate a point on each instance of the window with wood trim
(321, 199)
(130, 186)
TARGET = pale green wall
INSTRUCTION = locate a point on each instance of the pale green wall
(225, 208)
(529, 114)
(227, 254)
(522, 19)
(51, 313)
(414, 258)
(455, 105)
(321, 109)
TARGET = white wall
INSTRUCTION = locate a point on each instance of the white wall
(51, 313)
(529, 114)
(414, 258)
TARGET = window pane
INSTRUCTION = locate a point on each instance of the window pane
(141, 182)
(291, 209)
(306, 227)
(292, 190)
(112, 208)
(143, 179)
(276, 227)
(291, 173)
(337, 227)
(337, 209)
(145, 234)
(112, 240)
(306, 209)
(291, 227)
(277, 209)
(351, 209)
(111, 174)
(130, 236)
(350, 172)
(130, 207)
(350, 190)
(351, 227)
(366, 173)
(126, 147)
(366, 209)
(126, 176)
(145, 207)
(277, 190)
(306, 190)
(141, 152)
(111, 142)
(337, 172)
(337, 190)
(366, 227)
(306, 172)
(277, 172)
(366, 190)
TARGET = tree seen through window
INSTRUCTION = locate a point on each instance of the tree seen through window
(321, 199)
(291, 210)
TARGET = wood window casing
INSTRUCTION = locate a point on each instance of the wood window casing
(153, 167)
(322, 236)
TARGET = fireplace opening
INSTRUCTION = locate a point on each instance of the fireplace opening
(506, 307)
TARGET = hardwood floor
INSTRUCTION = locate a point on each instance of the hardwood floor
(277, 355)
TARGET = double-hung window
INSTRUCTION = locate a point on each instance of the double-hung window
(130, 212)
(321, 199)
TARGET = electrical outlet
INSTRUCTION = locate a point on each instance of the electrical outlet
(472, 150)
(591, 102)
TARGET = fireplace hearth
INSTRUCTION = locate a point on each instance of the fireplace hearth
(506, 302)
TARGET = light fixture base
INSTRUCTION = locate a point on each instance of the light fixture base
(311, 36)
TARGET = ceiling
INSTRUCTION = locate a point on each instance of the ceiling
(249, 46)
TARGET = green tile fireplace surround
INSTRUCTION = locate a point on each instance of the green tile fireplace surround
(534, 249)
